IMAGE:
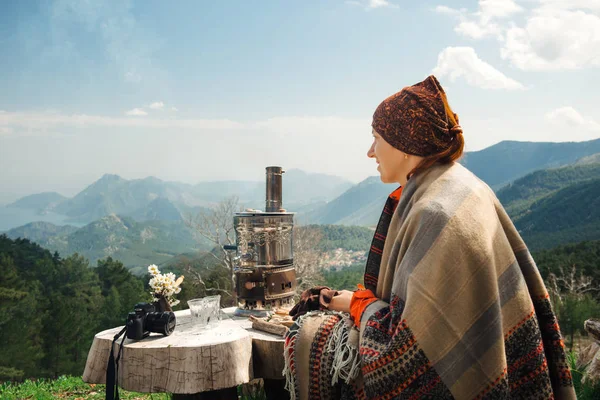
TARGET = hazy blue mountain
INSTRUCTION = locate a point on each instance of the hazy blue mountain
(40, 232)
(359, 205)
(39, 202)
(112, 194)
(159, 209)
(136, 244)
(506, 161)
(302, 188)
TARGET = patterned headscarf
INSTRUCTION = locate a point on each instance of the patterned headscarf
(415, 120)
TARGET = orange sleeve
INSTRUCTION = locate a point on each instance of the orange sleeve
(360, 300)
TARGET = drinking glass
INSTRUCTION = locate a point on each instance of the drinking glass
(205, 311)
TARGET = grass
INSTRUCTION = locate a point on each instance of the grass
(67, 388)
(74, 388)
(583, 391)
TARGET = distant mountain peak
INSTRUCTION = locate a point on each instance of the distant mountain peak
(40, 201)
(111, 177)
(152, 179)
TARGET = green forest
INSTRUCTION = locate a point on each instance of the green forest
(51, 307)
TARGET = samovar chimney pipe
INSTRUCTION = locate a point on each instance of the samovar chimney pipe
(274, 197)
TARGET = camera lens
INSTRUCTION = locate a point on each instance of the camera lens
(161, 322)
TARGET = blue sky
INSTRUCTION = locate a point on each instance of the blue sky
(199, 90)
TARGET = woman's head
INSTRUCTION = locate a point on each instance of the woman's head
(419, 123)
(392, 164)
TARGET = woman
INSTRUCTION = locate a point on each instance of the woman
(454, 306)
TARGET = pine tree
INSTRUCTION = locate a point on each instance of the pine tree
(20, 323)
(129, 288)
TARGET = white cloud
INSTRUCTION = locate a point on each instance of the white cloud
(463, 62)
(372, 4)
(554, 38)
(39, 121)
(498, 8)
(136, 112)
(474, 29)
(593, 5)
(572, 118)
(174, 109)
(449, 10)
(555, 34)
(483, 22)
(378, 3)
(157, 105)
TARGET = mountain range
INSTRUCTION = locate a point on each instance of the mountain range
(318, 198)
(362, 204)
(154, 199)
(141, 221)
(135, 244)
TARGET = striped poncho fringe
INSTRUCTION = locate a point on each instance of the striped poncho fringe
(462, 313)
(334, 357)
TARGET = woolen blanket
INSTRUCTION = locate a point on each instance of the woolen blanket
(462, 313)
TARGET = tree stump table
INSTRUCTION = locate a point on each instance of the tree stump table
(192, 363)
(592, 372)
(267, 357)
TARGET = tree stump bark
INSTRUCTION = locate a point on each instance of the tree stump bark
(267, 351)
(187, 362)
(592, 372)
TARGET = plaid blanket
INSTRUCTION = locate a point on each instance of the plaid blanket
(462, 313)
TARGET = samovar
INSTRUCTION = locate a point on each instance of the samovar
(264, 272)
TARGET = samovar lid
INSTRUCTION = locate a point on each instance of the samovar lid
(254, 213)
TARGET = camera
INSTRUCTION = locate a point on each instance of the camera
(144, 320)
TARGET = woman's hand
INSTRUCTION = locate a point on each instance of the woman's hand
(341, 302)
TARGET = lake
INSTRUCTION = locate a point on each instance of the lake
(14, 217)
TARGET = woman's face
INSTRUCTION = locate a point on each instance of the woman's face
(393, 166)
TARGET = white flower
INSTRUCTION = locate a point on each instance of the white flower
(153, 269)
(163, 285)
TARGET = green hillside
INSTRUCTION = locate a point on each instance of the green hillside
(136, 244)
(518, 196)
(572, 214)
(506, 161)
(593, 159)
(357, 238)
(40, 232)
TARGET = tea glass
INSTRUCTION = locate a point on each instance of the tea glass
(205, 311)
